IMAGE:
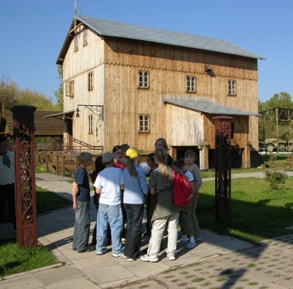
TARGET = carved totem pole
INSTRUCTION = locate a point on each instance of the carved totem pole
(25, 188)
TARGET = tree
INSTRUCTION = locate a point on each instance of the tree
(11, 95)
(275, 120)
(33, 98)
(281, 100)
(8, 92)
(59, 93)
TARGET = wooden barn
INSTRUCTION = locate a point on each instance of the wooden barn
(131, 84)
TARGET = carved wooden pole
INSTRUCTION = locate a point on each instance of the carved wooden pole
(25, 188)
(223, 168)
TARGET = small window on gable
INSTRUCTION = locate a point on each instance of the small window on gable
(75, 43)
(143, 79)
(90, 125)
(190, 84)
(90, 83)
(69, 89)
(84, 37)
(232, 87)
(144, 123)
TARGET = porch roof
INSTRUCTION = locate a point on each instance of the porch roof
(209, 107)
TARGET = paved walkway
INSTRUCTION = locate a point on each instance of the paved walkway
(218, 262)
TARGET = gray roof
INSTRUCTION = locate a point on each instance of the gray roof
(136, 32)
(209, 107)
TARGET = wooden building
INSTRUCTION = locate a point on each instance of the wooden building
(131, 84)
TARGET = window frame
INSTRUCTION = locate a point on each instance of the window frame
(190, 83)
(90, 83)
(69, 88)
(232, 87)
(143, 79)
(143, 123)
(75, 43)
(90, 124)
(84, 37)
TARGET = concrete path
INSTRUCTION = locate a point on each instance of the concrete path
(218, 262)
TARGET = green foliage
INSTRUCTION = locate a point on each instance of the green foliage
(59, 93)
(281, 100)
(8, 92)
(267, 123)
(11, 95)
(275, 179)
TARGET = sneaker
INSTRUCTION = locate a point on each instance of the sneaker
(129, 259)
(123, 241)
(171, 256)
(190, 245)
(198, 239)
(182, 242)
(121, 254)
(101, 252)
(149, 258)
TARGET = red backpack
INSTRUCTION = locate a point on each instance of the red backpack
(182, 192)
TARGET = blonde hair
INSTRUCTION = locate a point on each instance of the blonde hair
(161, 158)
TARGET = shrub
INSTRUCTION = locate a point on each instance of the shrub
(275, 179)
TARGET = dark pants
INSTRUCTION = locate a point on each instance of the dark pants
(7, 193)
(151, 205)
(81, 226)
(134, 213)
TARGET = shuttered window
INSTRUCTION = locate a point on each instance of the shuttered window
(90, 81)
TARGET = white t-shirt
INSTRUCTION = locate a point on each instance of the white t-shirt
(109, 181)
(7, 174)
(189, 176)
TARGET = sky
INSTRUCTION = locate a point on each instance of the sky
(33, 32)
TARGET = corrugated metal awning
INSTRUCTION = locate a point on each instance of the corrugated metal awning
(62, 113)
(209, 107)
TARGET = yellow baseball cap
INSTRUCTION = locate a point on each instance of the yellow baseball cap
(133, 153)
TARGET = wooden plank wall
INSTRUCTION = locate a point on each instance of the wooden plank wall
(168, 69)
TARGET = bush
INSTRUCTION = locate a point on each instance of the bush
(275, 179)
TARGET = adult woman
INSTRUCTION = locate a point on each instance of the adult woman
(161, 183)
(135, 187)
(162, 143)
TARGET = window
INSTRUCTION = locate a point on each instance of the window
(84, 37)
(144, 123)
(90, 85)
(190, 84)
(143, 79)
(75, 43)
(69, 90)
(231, 87)
(91, 124)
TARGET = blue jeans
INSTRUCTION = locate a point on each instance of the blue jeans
(81, 226)
(111, 215)
(134, 213)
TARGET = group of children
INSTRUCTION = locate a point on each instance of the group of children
(120, 188)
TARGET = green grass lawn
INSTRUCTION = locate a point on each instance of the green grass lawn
(14, 260)
(257, 212)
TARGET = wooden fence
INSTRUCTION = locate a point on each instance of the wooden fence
(64, 165)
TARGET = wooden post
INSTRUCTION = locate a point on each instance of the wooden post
(25, 188)
(223, 168)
